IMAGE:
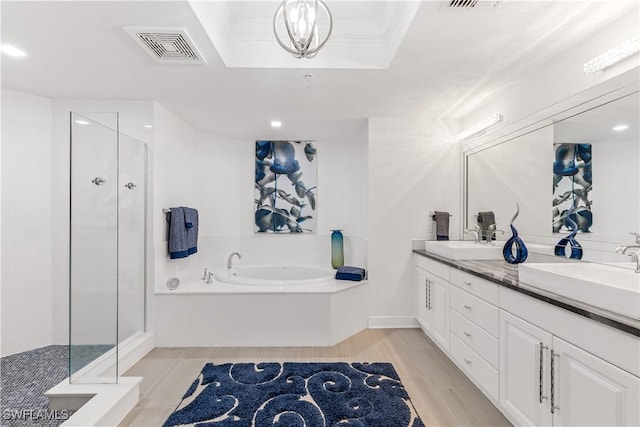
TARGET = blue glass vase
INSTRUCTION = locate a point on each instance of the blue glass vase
(337, 249)
(514, 250)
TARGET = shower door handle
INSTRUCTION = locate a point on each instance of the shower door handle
(98, 180)
(130, 185)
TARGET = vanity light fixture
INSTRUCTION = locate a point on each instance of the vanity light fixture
(613, 56)
(148, 126)
(480, 126)
(301, 24)
(620, 128)
(12, 50)
(82, 122)
(276, 123)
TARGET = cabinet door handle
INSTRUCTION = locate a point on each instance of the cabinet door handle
(467, 361)
(467, 334)
(468, 307)
(540, 386)
(553, 382)
(429, 293)
(467, 283)
(426, 294)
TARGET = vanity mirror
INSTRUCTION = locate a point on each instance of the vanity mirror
(596, 135)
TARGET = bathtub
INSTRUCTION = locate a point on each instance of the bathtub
(261, 306)
(274, 275)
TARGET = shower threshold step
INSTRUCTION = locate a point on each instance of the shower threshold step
(99, 400)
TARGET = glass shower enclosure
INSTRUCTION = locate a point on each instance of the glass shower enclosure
(107, 245)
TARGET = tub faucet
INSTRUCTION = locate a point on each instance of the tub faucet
(230, 259)
(633, 251)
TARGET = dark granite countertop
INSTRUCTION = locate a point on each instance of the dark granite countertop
(501, 273)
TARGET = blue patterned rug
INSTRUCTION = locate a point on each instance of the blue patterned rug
(296, 394)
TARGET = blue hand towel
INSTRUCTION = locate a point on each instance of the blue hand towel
(191, 224)
(350, 273)
(177, 234)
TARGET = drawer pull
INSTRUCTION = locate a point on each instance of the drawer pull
(467, 361)
(467, 283)
(467, 334)
(468, 307)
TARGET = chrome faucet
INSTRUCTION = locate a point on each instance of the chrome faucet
(491, 232)
(475, 232)
(230, 259)
(633, 251)
(209, 277)
(204, 276)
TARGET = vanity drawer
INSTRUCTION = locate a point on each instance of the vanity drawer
(480, 312)
(475, 367)
(434, 267)
(479, 287)
(482, 342)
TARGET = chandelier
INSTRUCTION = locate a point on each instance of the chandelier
(301, 22)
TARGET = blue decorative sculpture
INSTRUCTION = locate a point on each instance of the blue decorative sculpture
(521, 251)
(576, 249)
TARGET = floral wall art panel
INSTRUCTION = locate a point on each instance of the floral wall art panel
(572, 185)
(285, 187)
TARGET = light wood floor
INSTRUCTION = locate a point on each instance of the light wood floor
(441, 393)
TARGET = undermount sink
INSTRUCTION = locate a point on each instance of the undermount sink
(465, 249)
(611, 287)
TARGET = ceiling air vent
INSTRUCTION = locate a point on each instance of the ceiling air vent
(467, 4)
(167, 45)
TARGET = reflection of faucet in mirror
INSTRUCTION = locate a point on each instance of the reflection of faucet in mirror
(475, 232)
(633, 251)
(491, 232)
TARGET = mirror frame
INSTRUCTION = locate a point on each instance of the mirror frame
(611, 90)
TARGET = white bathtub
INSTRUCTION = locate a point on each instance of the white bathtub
(262, 306)
(278, 275)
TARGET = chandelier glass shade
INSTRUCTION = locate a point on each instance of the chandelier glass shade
(300, 19)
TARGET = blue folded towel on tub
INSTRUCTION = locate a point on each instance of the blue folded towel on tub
(350, 273)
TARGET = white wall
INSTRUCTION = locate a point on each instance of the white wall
(26, 222)
(561, 77)
(215, 175)
(413, 170)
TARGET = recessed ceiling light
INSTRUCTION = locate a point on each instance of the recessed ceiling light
(276, 123)
(620, 128)
(12, 50)
(148, 126)
(82, 122)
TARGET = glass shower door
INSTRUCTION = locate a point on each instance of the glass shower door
(93, 291)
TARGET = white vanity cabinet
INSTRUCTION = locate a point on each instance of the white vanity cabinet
(540, 364)
(545, 380)
(433, 301)
(475, 330)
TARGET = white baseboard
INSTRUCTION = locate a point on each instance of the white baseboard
(379, 322)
